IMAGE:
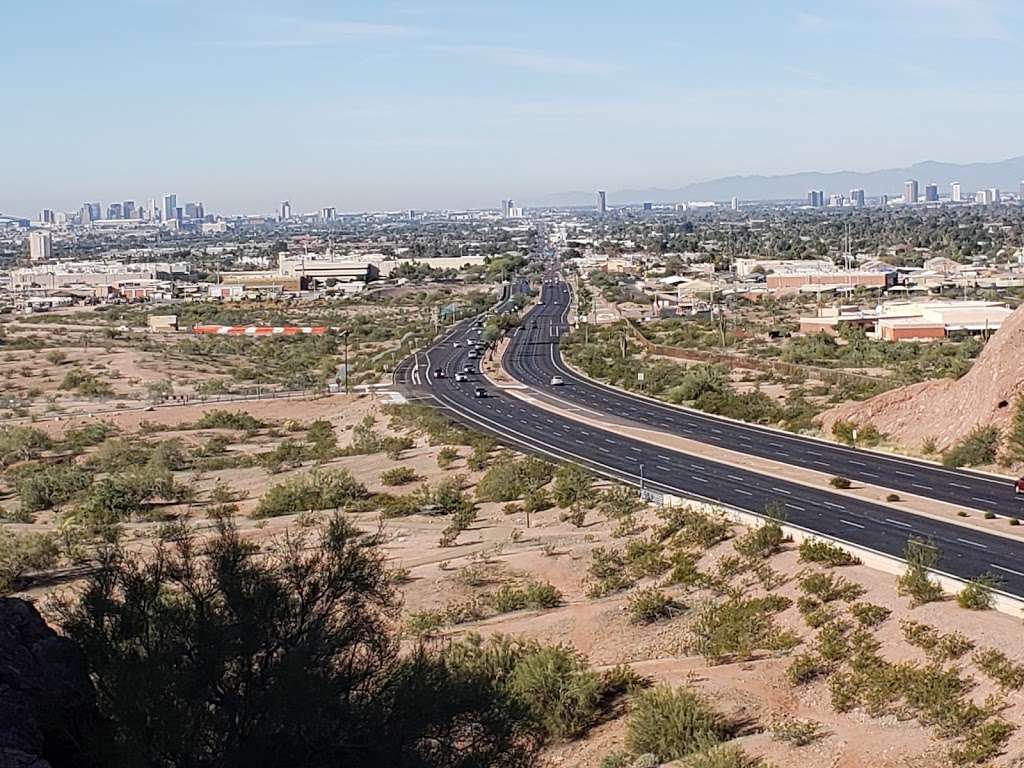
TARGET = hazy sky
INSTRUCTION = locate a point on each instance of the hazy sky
(430, 103)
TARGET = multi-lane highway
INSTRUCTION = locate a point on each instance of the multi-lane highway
(533, 358)
(964, 552)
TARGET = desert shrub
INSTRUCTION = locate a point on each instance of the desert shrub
(978, 594)
(937, 646)
(218, 418)
(797, 731)
(979, 446)
(394, 447)
(724, 756)
(288, 454)
(672, 724)
(85, 383)
(620, 501)
(542, 595)
(317, 677)
(737, 627)
(425, 623)
(684, 570)
(840, 482)
(573, 486)
(921, 556)
(21, 554)
(48, 487)
(761, 542)
(828, 587)
(449, 497)
(833, 642)
(398, 506)
(446, 457)
(826, 553)
(22, 444)
(983, 743)
(77, 440)
(998, 666)
(512, 479)
(313, 491)
(806, 667)
(650, 605)
(690, 527)
(869, 614)
(814, 612)
(607, 572)
(399, 476)
(643, 557)
(536, 500)
(893, 497)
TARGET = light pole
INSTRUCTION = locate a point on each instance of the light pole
(641, 480)
(345, 360)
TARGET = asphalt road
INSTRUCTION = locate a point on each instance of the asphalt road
(964, 552)
(534, 358)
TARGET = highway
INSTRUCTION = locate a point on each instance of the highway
(533, 358)
(964, 552)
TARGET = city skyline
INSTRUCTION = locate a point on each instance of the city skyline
(401, 106)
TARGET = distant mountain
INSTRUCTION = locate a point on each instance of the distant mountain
(1005, 174)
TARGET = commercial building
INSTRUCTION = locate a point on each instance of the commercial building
(602, 202)
(170, 208)
(746, 267)
(956, 194)
(71, 274)
(286, 211)
(910, 193)
(816, 198)
(40, 246)
(912, 321)
(830, 279)
(857, 197)
(931, 193)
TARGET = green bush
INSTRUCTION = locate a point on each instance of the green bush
(937, 646)
(921, 556)
(797, 731)
(762, 542)
(22, 444)
(446, 457)
(979, 446)
(399, 476)
(50, 486)
(840, 482)
(513, 479)
(219, 418)
(573, 486)
(607, 572)
(827, 587)
(868, 614)
(826, 553)
(724, 756)
(650, 605)
(998, 666)
(691, 527)
(21, 554)
(620, 501)
(806, 667)
(738, 627)
(85, 383)
(314, 491)
(672, 724)
(978, 595)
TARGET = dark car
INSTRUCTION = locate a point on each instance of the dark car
(468, 369)
(1018, 487)
(479, 392)
(439, 373)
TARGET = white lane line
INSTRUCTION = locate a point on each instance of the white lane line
(737, 479)
(960, 485)
(834, 506)
(821, 463)
(663, 469)
(780, 490)
(869, 474)
(922, 487)
(983, 501)
(698, 467)
(637, 450)
(609, 441)
(905, 474)
(745, 493)
(847, 522)
(665, 458)
(973, 543)
(602, 449)
(1008, 570)
(699, 479)
(795, 506)
(898, 522)
(858, 463)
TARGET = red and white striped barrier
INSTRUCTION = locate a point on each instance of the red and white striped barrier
(259, 330)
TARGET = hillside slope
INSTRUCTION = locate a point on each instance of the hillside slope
(945, 409)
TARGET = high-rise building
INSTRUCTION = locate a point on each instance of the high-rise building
(602, 202)
(983, 196)
(648, 206)
(328, 214)
(46, 217)
(1020, 192)
(735, 203)
(170, 208)
(152, 212)
(40, 246)
(883, 200)
(128, 209)
(505, 205)
(910, 191)
(286, 211)
(114, 211)
(997, 196)
(956, 193)
(200, 211)
(857, 197)
(931, 193)
(816, 198)
(836, 201)
(191, 211)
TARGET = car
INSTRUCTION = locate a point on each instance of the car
(557, 381)
(461, 377)
(467, 369)
(541, 303)
(479, 392)
(439, 373)
(473, 355)
(1018, 487)
(533, 323)
(456, 345)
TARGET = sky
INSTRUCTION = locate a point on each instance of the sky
(396, 104)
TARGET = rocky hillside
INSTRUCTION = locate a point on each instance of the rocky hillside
(945, 409)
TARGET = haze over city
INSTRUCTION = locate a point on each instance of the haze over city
(426, 105)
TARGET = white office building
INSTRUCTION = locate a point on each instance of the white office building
(956, 194)
(40, 246)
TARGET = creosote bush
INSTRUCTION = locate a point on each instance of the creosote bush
(826, 553)
(672, 724)
(650, 605)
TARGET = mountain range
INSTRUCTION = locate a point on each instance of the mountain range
(1007, 175)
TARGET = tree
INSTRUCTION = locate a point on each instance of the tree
(573, 486)
(286, 659)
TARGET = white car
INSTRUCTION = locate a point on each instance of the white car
(557, 381)
(461, 377)
(456, 345)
